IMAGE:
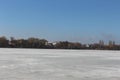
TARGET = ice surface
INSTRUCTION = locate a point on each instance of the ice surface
(43, 64)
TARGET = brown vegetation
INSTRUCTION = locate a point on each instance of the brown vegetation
(42, 43)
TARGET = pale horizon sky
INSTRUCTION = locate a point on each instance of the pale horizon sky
(84, 21)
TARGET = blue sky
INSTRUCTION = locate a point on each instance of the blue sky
(85, 21)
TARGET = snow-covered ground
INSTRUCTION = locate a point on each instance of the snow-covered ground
(40, 64)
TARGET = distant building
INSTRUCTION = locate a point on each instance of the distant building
(111, 43)
(54, 43)
(101, 43)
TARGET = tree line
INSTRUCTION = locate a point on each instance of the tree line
(44, 44)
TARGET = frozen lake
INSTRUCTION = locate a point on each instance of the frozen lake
(39, 64)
